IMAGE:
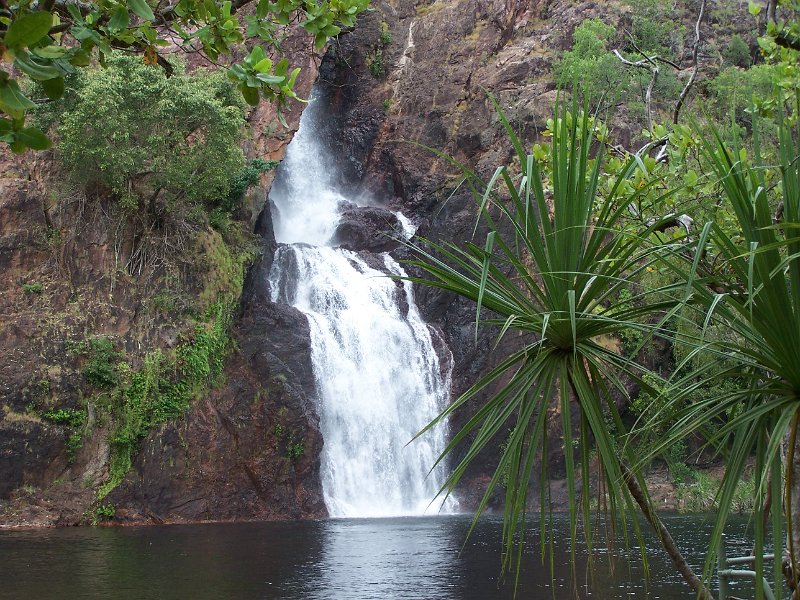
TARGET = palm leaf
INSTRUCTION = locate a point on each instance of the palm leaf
(550, 268)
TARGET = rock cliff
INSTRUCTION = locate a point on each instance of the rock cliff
(411, 77)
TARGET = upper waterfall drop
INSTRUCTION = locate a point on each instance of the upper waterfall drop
(378, 376)
(305, 204)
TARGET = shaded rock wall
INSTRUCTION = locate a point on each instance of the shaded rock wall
(247, 451)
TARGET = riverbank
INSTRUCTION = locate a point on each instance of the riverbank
(30, 508)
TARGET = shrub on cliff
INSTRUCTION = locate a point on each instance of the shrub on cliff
(150, 141)
(47, 41)
(589, 67)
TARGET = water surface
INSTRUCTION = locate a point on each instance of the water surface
(348, 559)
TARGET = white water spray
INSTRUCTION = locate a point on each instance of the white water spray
(378, 377)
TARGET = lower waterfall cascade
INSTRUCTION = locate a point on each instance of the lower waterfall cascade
(378, 377)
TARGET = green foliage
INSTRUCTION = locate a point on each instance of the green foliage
(149, 398)
(375, 63)
(564, 311)
(246, 178)
(295, 450)
(375, 58)
(631, 338)
(76, 347)
(257, 76)
(675, 457)
(49, 42)
(589, 67)
(697, 492)
(386, 35)
(104, 512)
(101, 370)
(163, 388)
(74, 443)
(728, 299)
(654, 29)
(738, 91)
(66, 416)
(32, 288)
(737, 53)
(73, 418)
(201, 359)
(756, 296)
(183, 147)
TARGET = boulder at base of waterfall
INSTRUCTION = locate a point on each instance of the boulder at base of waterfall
(368, 228)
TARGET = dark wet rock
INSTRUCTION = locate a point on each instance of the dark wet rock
(234, 457)
(369, 228)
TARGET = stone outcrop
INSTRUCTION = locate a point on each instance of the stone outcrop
(370, 228)
(249, 450)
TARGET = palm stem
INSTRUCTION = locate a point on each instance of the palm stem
(663, 535)
(672, 550)
(792, 535)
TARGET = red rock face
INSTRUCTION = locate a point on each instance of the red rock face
(236, 454)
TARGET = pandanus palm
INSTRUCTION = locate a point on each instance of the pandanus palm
(754, 293)
(557, 254)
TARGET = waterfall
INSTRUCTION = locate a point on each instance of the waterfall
(378, 378)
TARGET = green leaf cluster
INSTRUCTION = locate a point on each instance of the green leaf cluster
(151, 141)
(589, 66)
(101, 369)
(551, 274)
(257, 76)
(66, 416)
(246, 178)
(32, 35)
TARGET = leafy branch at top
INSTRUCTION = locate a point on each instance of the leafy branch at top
(49, 39)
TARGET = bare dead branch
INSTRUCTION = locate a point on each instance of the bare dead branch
(649, 63)
(693, 76)
(667, 61)
(652, 144)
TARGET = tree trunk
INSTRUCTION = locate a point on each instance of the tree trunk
(792, 481)
(678, 561)
(672, 550)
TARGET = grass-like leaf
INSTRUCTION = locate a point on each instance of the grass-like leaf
(557, 254)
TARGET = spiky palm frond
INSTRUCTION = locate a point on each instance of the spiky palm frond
(762, 316)
(555, 258)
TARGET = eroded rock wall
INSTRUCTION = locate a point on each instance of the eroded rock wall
(247, 450)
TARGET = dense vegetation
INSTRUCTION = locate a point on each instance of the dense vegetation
(691, 239)
(48, 41)
(180, 150)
